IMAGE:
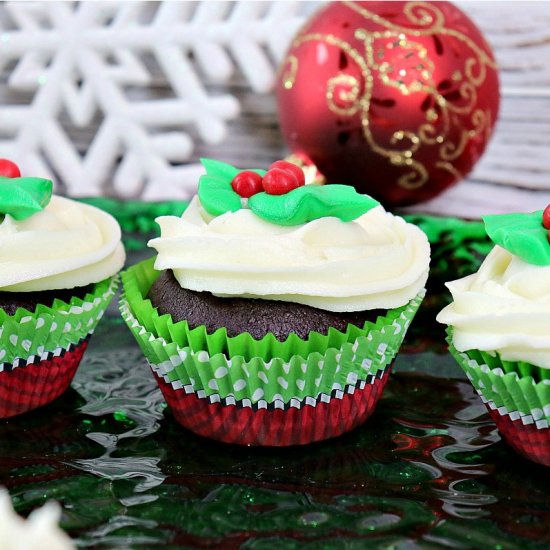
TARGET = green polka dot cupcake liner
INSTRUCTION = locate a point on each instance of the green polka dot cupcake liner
(242, 373)
(516, 395)
(40, 351)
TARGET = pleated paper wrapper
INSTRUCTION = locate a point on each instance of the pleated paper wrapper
(40, 351)
(517, 396)
(213, 375)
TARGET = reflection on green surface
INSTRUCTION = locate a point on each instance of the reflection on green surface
(424, 469)
(427, 469)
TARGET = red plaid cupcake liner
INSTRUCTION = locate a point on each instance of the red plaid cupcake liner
(29, 383)
(523, 435)
(297, 422)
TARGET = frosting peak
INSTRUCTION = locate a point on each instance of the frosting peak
(39, 530)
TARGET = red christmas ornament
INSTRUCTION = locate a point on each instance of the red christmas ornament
(398, 99)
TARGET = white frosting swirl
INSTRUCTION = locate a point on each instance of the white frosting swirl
(39, 530)
(67, 244)
(504, 308)
(375, 261)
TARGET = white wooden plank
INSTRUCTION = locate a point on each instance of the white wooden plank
(472, 200)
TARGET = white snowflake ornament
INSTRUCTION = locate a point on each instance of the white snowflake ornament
(130, 74)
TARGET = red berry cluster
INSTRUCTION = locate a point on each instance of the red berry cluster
(281, 178)
(9, 169)
(546, 220)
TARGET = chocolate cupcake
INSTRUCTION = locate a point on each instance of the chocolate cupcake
(58, 266)
(273, 317)
(499, 326)
(255, 316)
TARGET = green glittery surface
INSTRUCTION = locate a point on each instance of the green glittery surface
(427, 470)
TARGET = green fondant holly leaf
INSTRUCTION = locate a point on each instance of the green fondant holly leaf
(521, 234)
(219, 169)
(217, 197)
(301, 205)
(310, 202)
(215, 192)
(23, 197)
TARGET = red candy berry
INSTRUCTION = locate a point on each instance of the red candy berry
(279, 182)
(247, 183)
(546, 217)
(292, 168)
(9, 169)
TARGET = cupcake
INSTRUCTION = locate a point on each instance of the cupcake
(58, 265)
(499, 328)
(273, 310)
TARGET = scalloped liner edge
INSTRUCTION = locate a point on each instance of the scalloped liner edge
(337, 393)
(91, 309)
(526, 419)
(360, 371)
(539, 415)
(20, 362)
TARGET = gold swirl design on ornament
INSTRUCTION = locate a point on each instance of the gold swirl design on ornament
(449, 168)
(432, 18)
(400, 135)
(336, 93)
(344, 97)
(415, 179)
(451, 151)
(434, 22)
(469, 66)
(430, 135)
(468, 92)
(289, 75)
(480, 122)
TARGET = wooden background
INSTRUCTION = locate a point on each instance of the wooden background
(514, 173)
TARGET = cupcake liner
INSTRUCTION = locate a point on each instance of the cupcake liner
(216, 387)
(298, 422)
(35, 384)
(26, 334)
(273, 379)
(40, 351)
(517, 396)
(527, 440)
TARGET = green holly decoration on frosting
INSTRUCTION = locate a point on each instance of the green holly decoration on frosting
(215, 192)
(523, 235)
(311, 202)
(300, 205)
(23, 197)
